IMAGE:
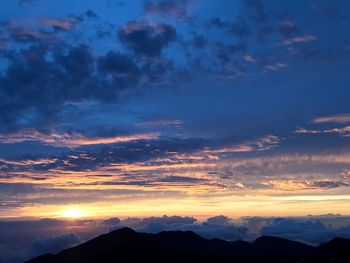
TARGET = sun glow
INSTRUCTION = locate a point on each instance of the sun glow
(73, 213)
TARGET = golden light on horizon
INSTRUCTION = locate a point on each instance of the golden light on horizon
(73, 213)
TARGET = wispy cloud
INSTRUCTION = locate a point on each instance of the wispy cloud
(276, 66)
(340, 118)
(300, 39)
(343, 131)
(259, 144)
(71, 140)
(295, 185)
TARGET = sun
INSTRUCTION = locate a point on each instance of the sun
(73, 213)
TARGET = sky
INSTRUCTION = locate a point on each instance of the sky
(188, 107)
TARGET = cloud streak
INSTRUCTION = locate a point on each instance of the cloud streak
(341, 118)
(72, 140)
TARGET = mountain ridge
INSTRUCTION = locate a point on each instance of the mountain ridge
(127, 245)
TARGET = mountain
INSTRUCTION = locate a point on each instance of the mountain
(126, 245)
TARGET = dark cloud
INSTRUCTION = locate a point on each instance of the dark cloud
(90, 14)
(147, 39)
(120, 67)
(41, 79)
(103, 33)
(181, 179)
(41, 85)
(329, 184)
(225, 52)
(199, 41)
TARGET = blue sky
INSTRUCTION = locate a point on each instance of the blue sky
(122, 107)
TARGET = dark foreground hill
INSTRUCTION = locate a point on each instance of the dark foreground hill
(126, 245)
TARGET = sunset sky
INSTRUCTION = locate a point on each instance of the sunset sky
(186, 107)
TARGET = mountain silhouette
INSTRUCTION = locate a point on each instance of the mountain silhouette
(126, 245)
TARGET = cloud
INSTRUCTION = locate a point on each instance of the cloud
(90, 14)
(111, 221)
(226, 231)
(139, 153)
(41, 30)
(340, 118)
(249, 58)
(147, 39)
(219, 220)
(288, 28)
(28, 35)
(12, 254)
(157, 224)
(215, 227)
(275, 66)
(309, 231)
(54, 244)
(160, 123)
(120, 67)
(44, 86)
(65, 24)
(199, 41)
(342, 131)
(294, 185)
(300, 39)
(260, 144)
(343, 232)
(70, 140)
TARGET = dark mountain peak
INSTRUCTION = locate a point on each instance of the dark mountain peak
(337, 249)
(338, 240)
(271, 240)
(277, 245)
(126, 245)
(337, 243)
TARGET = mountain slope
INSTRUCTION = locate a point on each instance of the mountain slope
(126, 245)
